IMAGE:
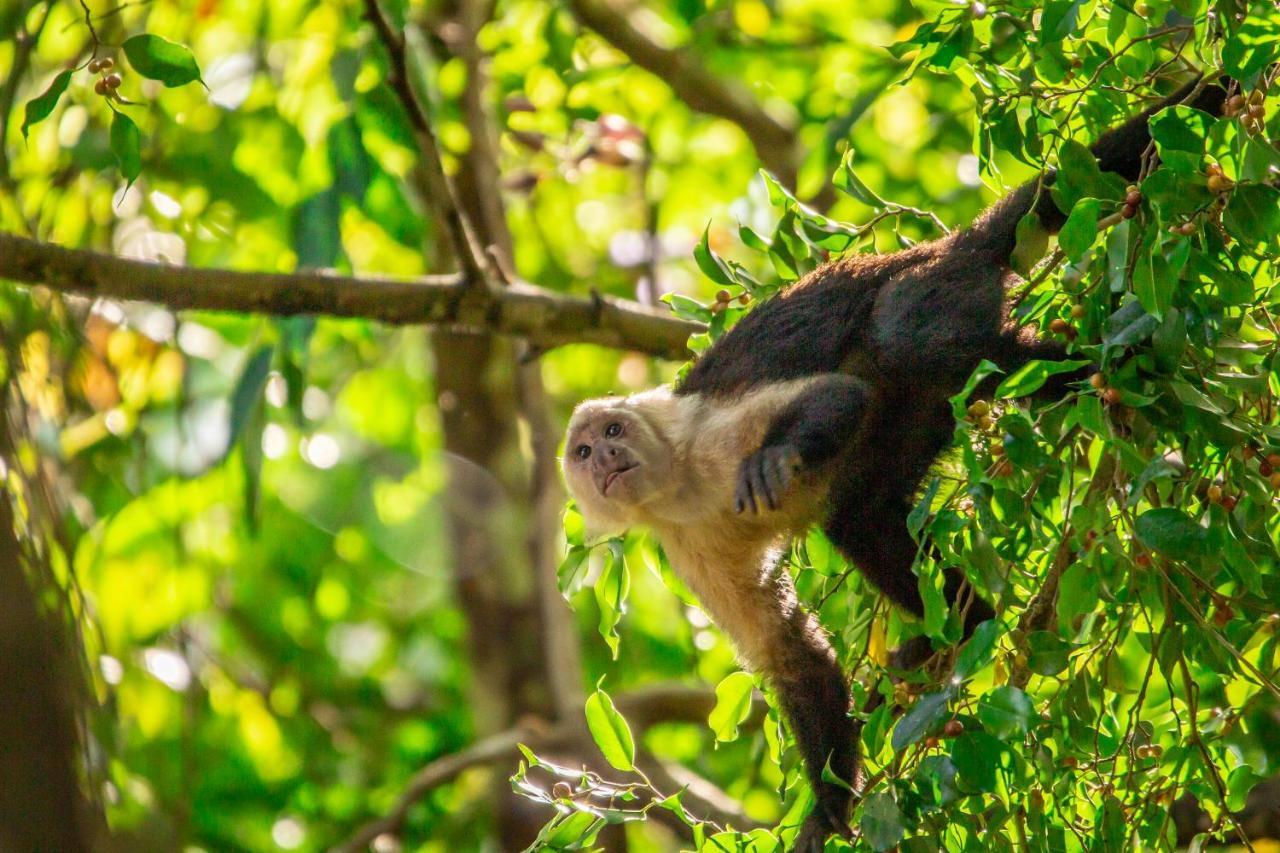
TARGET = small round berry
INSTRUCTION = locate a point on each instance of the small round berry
(1274, 459)
(1128, 211)
(1186, 229)
(744, 299)
(106, 63)
(1214, 494)
(1222, 614)
(1143, 559)
(1004, 468)
(1069, 762)
(113, 81)
(1098, 381)
(997, 448)
(100, 87)
(1256, 96)
(1077, 312)
(723, 296)
(1233, 106)
(1275, 480)
(986, 423)
(1248, 452)
(1133, 197)
(932, 742)
(1059, 326)
(562, 790)
(1111, 396)
(953, 728)
(94, 65)
(1265, 468)
(1229, 502)
(1218, 183)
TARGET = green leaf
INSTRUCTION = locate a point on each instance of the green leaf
(712, 267)
(610, 731)
(160, 59)
(1253, 214)
(881, 821)
(1241, 781)
(1031, 242)
(247, 395)
(978, 756)
(1032, 375)
(1172, 532)
(1006, 713)
(1047, 653)
(848, 182)
(1059, 19)
(1080, 177)
(733, 705)
(126, 144)
(573, 570)
(611, 590)
(977, 651)
(923, 716)
(1180, 128)
(39, 107)
(1080, 229)
(1252, 46)
(1130, 324)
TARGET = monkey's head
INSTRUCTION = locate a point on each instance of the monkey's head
(617, 458)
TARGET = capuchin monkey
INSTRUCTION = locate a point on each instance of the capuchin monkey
(827, 404)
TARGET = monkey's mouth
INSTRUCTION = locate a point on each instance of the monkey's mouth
(613, 475)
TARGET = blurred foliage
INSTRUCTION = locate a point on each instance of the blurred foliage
(250, 532)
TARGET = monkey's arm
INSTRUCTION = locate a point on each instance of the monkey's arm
(808, 433)
(751, 597)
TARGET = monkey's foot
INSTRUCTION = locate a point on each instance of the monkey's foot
(763, 476)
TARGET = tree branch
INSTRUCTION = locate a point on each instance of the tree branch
(776, 144)
(439, 192)
(544, 318)
(644, 708)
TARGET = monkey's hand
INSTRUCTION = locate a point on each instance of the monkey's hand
(763, 476)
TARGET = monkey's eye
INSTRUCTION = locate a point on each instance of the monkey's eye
(583, 451)
(613, 430)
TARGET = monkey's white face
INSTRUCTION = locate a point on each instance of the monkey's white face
(616, 460)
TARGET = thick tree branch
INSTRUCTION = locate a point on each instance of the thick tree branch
(544, 318)
(776, 144)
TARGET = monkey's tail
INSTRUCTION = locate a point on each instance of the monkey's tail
(1118, 150)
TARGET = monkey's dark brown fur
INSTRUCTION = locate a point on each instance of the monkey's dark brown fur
(828, 404)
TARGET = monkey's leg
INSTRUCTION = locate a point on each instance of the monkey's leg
(811, 431)
(871, 497)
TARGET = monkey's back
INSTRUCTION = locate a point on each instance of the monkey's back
(821, 324)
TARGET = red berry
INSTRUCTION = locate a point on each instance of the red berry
(953, 728)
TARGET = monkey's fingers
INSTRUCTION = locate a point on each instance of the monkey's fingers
(778, 468)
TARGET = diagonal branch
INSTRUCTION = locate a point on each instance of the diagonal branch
(544, 318)
(776, 144)
(439, 192)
